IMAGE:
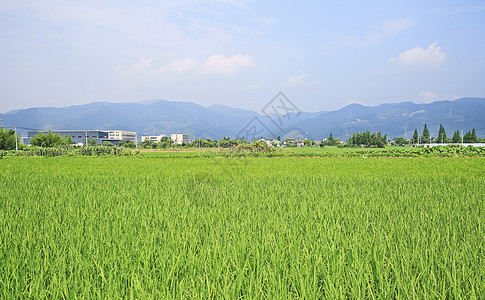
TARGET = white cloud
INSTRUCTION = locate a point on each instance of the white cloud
(177, 66)
(296, 80)
(144, 64)
(240, 3)
(395, 26)
(182, 66)
(384, 29)
(473, 9)
(227, 65)
(432, 56)
(214, 65)
(427, 95)
(261, 21)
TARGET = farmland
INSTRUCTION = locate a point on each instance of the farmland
(168, 226)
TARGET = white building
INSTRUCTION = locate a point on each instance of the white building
(154, 138)
(300, 143)
(122, 135)
(179, 138)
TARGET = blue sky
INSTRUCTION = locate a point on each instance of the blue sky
(322, 54)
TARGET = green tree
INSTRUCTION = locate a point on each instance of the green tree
(92, 142)
(456, 137)
(474, 136)
(470, 137)
(399, 141)
(127, 144)
(425, 136)
(441, 135)
(148, 144)
(68, 140)
(367, 139)
(331, 141)
(47, 140)
(164, 143)
(415, 138)
(7, 139)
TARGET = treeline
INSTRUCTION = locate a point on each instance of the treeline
(10, 141)
(367, 139)
(50, 140)
(442, 138)
(166, 143)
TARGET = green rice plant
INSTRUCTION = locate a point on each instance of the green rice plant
(241, 227)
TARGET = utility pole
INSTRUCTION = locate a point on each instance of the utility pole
(16, 141)
(462, 138)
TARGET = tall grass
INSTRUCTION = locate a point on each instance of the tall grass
(138, 227)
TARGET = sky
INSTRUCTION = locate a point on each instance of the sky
(322, 55)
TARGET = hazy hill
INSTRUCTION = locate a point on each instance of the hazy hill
(216, 121)
(398, 119)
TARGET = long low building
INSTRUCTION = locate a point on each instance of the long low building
(78, 136)
(81, 137)
(177, 138)
(153, 138)
(122, 135)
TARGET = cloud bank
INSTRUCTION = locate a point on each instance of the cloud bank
(215, 65)
(432, 56)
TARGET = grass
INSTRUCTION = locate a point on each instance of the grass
(145, 227)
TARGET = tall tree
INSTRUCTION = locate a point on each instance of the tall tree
(415, 136)
(367, 139)
(456, 137)
(425, 136)
(474, 138)
(331, 140)
(441, 135)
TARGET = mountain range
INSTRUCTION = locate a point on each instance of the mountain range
(155, 117)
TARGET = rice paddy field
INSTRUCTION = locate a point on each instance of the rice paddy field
(163, 226)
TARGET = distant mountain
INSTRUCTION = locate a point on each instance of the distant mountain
(146, 118)
(397, 119)
(216, 121)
